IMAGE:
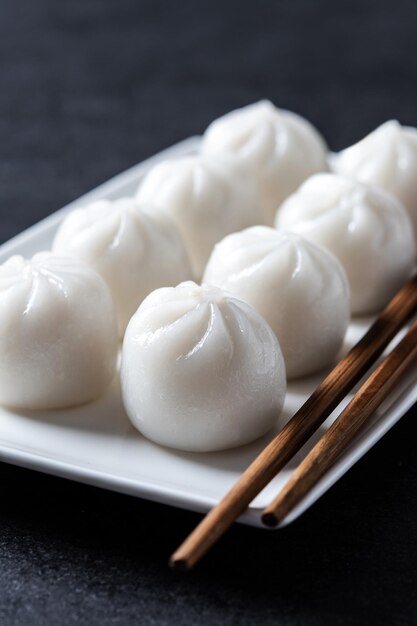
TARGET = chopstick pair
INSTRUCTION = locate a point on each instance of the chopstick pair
(343, 430)
(305, 422)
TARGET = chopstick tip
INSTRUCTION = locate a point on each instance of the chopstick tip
(178, 564)
(269, 519)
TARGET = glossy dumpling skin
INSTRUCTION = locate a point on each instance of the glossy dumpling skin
(134, 249)
(278, 148)
(387, 158)
(58, 333)
(201, 371)
(364, 227)
(207, 198)
(300, 289)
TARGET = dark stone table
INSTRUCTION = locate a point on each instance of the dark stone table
(88, 88)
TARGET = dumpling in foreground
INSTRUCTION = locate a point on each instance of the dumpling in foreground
(387, 158)
(277, 148)
(58, 333)
(364, 227)
(133, 248)
(201, 371)
(299, 288)
(207, 198)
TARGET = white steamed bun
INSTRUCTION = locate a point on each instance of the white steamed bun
(299, 288)
(133, 248)
(201, 370)
(387, 157)
(278, 148)
(364, 227)
(207, 198)
(58, 333)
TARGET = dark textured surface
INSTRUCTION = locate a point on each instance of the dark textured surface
(89, 88)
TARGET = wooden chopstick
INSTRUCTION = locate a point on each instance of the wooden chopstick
(335, 441)
(299, 429)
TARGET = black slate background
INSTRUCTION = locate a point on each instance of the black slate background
(88, 88)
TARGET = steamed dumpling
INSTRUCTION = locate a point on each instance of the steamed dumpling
(299, 288)
(278, 148)
(206, 198)
(387, 157)
(132, 247)
(201, 370)
(58, 333)
(365, 228)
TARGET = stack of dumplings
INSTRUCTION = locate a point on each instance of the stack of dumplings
(285, 242)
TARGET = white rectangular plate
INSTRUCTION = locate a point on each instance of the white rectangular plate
(96, 444)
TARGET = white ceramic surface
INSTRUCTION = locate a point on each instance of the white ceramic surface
(96, 444)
